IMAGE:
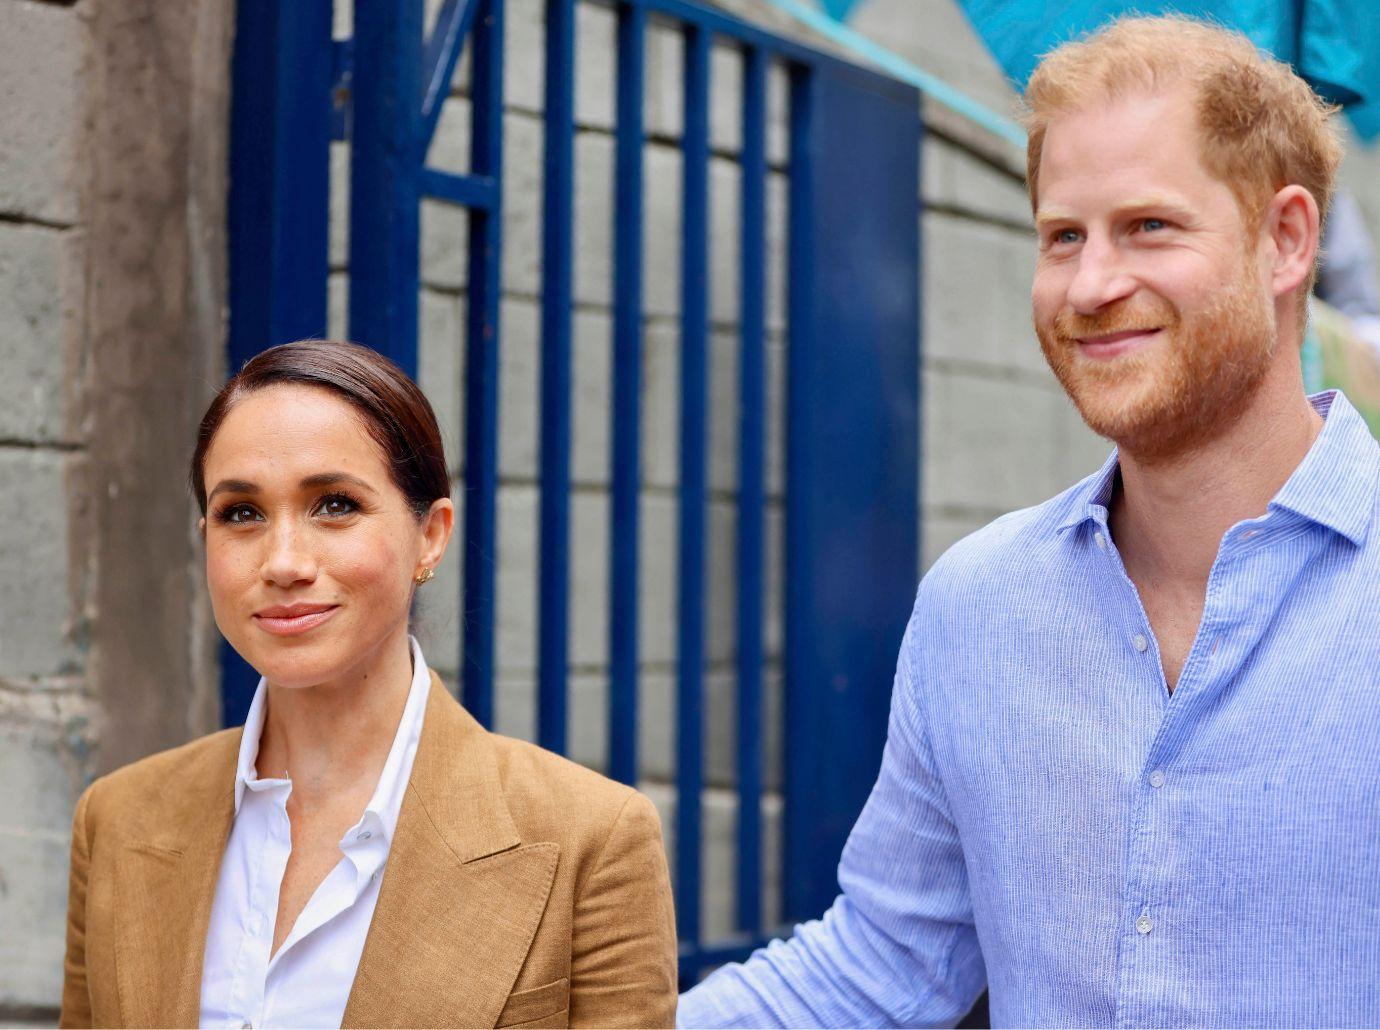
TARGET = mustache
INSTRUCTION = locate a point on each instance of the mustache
(1124, 318)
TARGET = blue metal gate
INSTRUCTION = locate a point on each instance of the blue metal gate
(852, 373)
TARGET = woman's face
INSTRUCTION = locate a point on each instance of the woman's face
(311, 549)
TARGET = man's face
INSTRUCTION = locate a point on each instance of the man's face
(1148, 299)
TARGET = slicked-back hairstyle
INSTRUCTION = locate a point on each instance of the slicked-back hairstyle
(1261, 126)
(391, 407)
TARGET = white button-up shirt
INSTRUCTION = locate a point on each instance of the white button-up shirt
(307, 983)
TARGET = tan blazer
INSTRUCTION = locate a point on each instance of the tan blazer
(521, 890)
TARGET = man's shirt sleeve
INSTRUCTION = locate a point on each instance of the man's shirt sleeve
(898, 946)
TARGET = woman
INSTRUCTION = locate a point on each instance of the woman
(362, 852)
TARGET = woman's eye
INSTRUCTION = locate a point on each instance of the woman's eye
(337, 505)
(238, 514)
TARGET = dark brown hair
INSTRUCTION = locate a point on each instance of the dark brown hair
(394, 411)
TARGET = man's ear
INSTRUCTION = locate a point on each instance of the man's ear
(1293, 228)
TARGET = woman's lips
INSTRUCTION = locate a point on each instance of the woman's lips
(290, 625)
(1115, 344)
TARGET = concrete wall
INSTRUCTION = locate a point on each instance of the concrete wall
(112, 191)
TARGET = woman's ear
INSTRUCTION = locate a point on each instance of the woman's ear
(1293, 228)
(201, 528)
(437, 525)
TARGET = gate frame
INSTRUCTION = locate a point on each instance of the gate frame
(295, 90)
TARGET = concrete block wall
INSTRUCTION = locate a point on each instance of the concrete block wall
(112, 132)
(46, 708)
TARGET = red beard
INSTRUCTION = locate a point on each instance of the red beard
(1184, 387)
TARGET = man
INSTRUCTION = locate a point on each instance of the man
(1133, 768)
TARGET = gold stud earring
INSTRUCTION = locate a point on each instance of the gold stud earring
(424, 576)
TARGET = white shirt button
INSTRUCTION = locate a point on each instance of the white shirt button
(246, 1025)
(1143, 924)
(1101, 540)
(1139, 642)
(364, 835)
(1157, 778)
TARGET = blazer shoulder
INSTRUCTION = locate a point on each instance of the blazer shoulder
(165, 775)
(552, 797)
(527, 768)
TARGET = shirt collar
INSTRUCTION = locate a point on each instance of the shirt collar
(1090, 499)
(387, 801)
(1334, 485)
(384, 806)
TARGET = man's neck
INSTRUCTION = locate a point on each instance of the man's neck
(1168, 517)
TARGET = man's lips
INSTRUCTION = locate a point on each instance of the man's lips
(1114, 344)
(286, 620)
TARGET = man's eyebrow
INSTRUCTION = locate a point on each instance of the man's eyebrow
(1139, 204)
(1044, 217)
(320, 479)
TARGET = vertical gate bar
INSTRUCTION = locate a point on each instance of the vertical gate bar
(751, 493)
(481, 374)
(557, 220)
(627, 386)
(799, 735)
(694, 361)
(280, 125)
(384, 199)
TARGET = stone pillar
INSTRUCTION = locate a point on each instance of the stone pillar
(113, 129)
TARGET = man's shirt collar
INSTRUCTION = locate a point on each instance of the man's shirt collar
(1334, 485)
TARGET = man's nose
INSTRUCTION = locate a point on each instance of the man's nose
(1102, 278)
(288, 558)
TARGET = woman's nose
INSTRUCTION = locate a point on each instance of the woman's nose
(288, 558)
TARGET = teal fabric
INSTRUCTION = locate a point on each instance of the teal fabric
(839, 9)
(1334, 44)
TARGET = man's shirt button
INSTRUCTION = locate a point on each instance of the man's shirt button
(1143, 925)
(1139, 642)
(1157, 778)
(1101, 540)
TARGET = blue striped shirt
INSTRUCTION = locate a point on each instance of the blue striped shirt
(1051, 823)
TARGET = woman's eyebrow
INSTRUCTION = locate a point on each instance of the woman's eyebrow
(334, 479)
(238, 486)
(320, 479)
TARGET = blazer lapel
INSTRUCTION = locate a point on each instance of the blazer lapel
(167, 882)
(461, 897)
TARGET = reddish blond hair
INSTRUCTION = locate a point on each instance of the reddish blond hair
(1262, 127)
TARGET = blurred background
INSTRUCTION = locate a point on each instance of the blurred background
(724, 311)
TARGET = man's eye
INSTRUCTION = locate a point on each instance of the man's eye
(337, 505)
(1065, 236)
(1151, 224)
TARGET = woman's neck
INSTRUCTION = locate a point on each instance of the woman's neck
(334, 738)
